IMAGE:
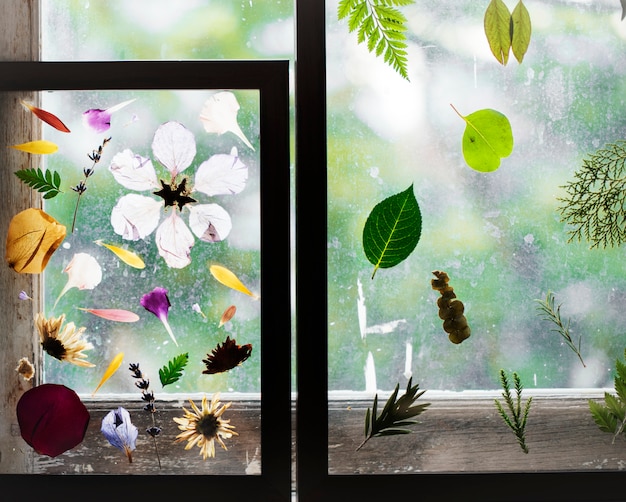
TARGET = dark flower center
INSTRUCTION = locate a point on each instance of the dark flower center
(208, 426)
(54, 348)
(175, 195)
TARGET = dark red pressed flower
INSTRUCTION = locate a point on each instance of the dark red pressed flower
(226, 356)
(52, 419)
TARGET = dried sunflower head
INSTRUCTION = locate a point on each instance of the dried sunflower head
(64, 343)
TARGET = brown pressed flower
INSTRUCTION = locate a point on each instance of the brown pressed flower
(226, 356)
(204, 427)
(25, 368)
(64, 343)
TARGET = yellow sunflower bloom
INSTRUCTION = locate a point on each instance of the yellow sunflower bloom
(64, 343)
(204, 427)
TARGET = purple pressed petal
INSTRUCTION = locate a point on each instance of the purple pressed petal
(97, 119)
(157, 302)
(119, 430)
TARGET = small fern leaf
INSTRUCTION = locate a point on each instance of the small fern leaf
(48, 183)
(381, 25)
(174, 369)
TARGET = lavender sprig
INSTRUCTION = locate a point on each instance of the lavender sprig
(148, 396)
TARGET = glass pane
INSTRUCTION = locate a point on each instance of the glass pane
(160, 183)
(498, 235)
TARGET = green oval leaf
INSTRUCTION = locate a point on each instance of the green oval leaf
(498, 28)
(521, 31)
(392, 230)
(487, 139)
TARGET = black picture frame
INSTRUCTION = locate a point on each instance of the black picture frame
(314, 483)
(270, 78)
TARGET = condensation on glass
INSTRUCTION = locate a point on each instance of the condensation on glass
(197, 299)
(498, 235)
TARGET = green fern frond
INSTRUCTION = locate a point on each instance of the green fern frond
(516, 418)
(610, 416)
(382, 26)
(174, 369)
(46, 182)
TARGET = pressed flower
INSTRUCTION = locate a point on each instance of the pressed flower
(25, 368)
(219, 115)
(226, 356)
(52, 419)
(196, 308)
(32, 237)
(204, 427)
(136, 216)
(84, 272)
(159, 304)
(100, 120)
(24, 296)
(64, 343)
(120, 431)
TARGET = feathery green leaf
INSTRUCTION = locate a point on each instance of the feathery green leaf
(395, 413)
(173, 370)
(48, 183)
(515, 419)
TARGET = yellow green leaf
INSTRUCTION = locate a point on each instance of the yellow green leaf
(228, 278)
(40, 146)
(125, 255)
(521, 31)
(113, 367)
(498, 26)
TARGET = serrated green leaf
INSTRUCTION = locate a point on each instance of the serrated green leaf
(393, 432)
(498, 30)
(522, 30)
(392, 230)
(615, 406)
(488, 137)
(367, 422)
(343, 8)
(173, 370)
(603, 418)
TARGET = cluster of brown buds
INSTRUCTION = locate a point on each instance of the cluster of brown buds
(450, 309)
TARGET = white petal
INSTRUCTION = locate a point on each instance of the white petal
(210, 222)
(135, 216)
(174, 241)
(222, 174)
(174, 146)
(133, 171)
(219, 115)
(84, 271)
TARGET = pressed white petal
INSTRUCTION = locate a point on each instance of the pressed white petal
(84, 271)
(133, 171)
(222, 174)
(135, 216)
(174, 241)
(210, 222)
(174, 146)
(219, 115)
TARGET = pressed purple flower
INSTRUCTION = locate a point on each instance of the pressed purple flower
(100, 120)
(159, 304)
(120, 431)
(52, 419)
(24, 296)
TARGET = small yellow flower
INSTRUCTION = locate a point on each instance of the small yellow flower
(204, 427)
(64, 344)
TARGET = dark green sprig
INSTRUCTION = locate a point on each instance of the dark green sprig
(46, 182)
(518, 418)
(611, 416)
(553, 314)
(380, 24)
(174, 369)
(395, 414)
(595, 204)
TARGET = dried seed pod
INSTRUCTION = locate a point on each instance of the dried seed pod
(451, 309)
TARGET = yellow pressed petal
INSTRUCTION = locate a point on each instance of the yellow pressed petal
(113, 367)
(32, 237)
(40, 147)
(125, 255)
(228, 278)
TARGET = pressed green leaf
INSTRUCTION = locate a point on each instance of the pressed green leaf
(522, 30)
(487, 138)
(173, 370)
(603, 418)
(498, 30)
(392, 230)
(47, 182)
